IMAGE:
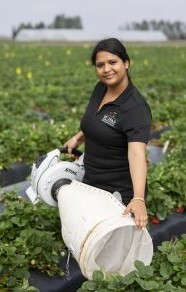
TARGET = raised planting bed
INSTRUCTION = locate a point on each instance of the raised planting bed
(72, 278)
(17, 173)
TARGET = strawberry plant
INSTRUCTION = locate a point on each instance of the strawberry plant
(30, 237)
(166, 273)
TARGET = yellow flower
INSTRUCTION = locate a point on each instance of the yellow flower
(47, 63)
(74, 110)
(51, 121)
(29, 75)
(68, 52)
(86, 46)
(18, 71)
(32, 262)
(7, 55)
(40, 57)
(87, 62)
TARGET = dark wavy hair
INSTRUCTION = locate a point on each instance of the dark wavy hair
(111, 45)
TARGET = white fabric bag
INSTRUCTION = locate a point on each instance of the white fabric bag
(97, 233)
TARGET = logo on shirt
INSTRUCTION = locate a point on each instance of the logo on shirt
(110, 118)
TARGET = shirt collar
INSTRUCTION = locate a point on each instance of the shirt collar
(123, 97)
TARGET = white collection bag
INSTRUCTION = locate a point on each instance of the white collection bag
(98, 234)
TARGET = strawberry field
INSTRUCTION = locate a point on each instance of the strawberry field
(44, 90)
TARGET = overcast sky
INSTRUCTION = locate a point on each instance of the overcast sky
(95, 14)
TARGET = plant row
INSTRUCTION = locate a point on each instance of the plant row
(30, 238)
(44, 91)
(165, 274)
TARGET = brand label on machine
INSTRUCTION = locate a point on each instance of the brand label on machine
(71, 171)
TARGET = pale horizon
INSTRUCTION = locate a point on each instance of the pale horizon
(95, 15)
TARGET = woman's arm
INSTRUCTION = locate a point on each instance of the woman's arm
(75, 141)
(138, 171)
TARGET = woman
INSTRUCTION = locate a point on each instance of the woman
(115, 129)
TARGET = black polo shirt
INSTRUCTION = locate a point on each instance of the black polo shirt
(107, 133)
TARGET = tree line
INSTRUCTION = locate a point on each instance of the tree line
(60, 21)
(173, 30)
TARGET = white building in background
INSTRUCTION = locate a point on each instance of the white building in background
(81, 35)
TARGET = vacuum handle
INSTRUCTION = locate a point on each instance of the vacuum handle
(76, 152)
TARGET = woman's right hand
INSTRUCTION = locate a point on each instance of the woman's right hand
(71, 144)
(74, 142)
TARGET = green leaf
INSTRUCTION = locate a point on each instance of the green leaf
(173, 258)
(98, 276)
(110, 277)
(143, 271)
(11, 250)
(112, 286)
(165, 246)
(25, 283)
(19, 259)
(36, 250)
(147, 285)
(89, 286)
(32, 289)
(129, 278)
(166, 270)
(184, 236)
(21, 272)
(168, 287)
(183, 281)
(17, 221)
(139, 265)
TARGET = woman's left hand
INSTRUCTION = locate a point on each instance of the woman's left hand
(139, 210)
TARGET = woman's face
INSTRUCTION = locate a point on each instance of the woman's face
(111, 69)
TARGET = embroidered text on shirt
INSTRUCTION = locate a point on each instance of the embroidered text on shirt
(110, 118)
